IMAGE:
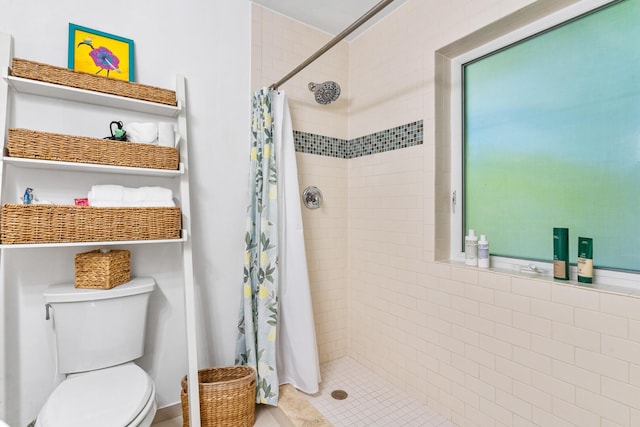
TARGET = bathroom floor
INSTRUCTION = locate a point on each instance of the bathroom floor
(263, 419)
(371, 402)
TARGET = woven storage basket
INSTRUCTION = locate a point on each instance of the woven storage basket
(57, 224)
(31, 144)
(63, 76)
(227, 397)
(102, 270)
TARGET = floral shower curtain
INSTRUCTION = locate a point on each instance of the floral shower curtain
(256, 345)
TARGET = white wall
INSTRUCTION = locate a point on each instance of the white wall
(207, 42)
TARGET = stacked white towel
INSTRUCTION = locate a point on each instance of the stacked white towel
(111, 196)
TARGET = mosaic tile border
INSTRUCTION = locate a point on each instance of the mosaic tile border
(395, 138)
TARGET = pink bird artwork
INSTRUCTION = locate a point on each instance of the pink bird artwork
(102, 57)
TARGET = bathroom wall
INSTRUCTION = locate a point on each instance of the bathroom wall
(279, 44)
(207, 42)
(481, 347)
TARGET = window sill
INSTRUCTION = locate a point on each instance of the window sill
(629, 283)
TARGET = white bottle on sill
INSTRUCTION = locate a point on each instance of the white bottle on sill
(471, 248)
(483, 252)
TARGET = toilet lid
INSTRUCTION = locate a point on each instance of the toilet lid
(110, 397)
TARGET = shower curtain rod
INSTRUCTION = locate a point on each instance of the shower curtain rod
(351, 28)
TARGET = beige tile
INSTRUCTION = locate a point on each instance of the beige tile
(481, 388)
(634, 330)
(496, 314)
(536, 361)
(601, 322)
(533, 324)
(620, 305)
(635, 417)
(634, 375)
(537, 398)
(554, 387)
(496, 379)
(513, 370)
(546, 418)
(500, 282)
(514, 336)
(574, 414)
(517, 303)
(576, 296)
(465, 274)
(496, 412)
(552, 348)
(578, 337)
(482, 357)
(553, 311)
(576, 376)
(479, 293)
(517, 406)
(603, 406)
(594, 361)
(480, 325)
(621, 391)
(621, 349)
(531, 288)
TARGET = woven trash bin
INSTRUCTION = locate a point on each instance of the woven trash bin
(227, 397)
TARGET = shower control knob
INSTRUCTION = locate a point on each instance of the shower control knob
(312, 197)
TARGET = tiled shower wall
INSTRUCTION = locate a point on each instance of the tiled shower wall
(279, 45)
(325, 233)
(482, 347)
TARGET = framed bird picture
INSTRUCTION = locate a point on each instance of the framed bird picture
(96, 52)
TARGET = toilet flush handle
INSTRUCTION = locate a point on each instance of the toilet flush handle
(46, 308)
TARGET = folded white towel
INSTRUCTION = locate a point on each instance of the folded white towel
(166, 134)
(106, 193)
(154, 204)
(106, 204)
(119, 196)
(142, 132)
(154, 194)
(130, 195)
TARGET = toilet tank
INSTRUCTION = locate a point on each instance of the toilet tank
(98, 328)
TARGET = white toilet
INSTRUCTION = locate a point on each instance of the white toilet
(98, 335)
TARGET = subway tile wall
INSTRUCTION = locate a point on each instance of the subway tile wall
(325, 231)
(481, 347)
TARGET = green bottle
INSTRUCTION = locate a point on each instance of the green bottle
(585, 260)
(561, 253)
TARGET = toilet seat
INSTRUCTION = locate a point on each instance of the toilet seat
(108, 397)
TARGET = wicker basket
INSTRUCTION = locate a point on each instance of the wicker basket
(57, 224)
(227, 397)
(63, 76)
(102, 270)
(31, 144)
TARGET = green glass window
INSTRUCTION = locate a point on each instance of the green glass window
(551, 138)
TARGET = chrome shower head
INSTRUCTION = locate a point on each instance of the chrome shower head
(326, 92)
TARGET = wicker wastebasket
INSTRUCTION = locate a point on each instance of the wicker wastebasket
(227, 397)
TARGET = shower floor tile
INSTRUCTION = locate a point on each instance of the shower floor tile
(372, 401)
